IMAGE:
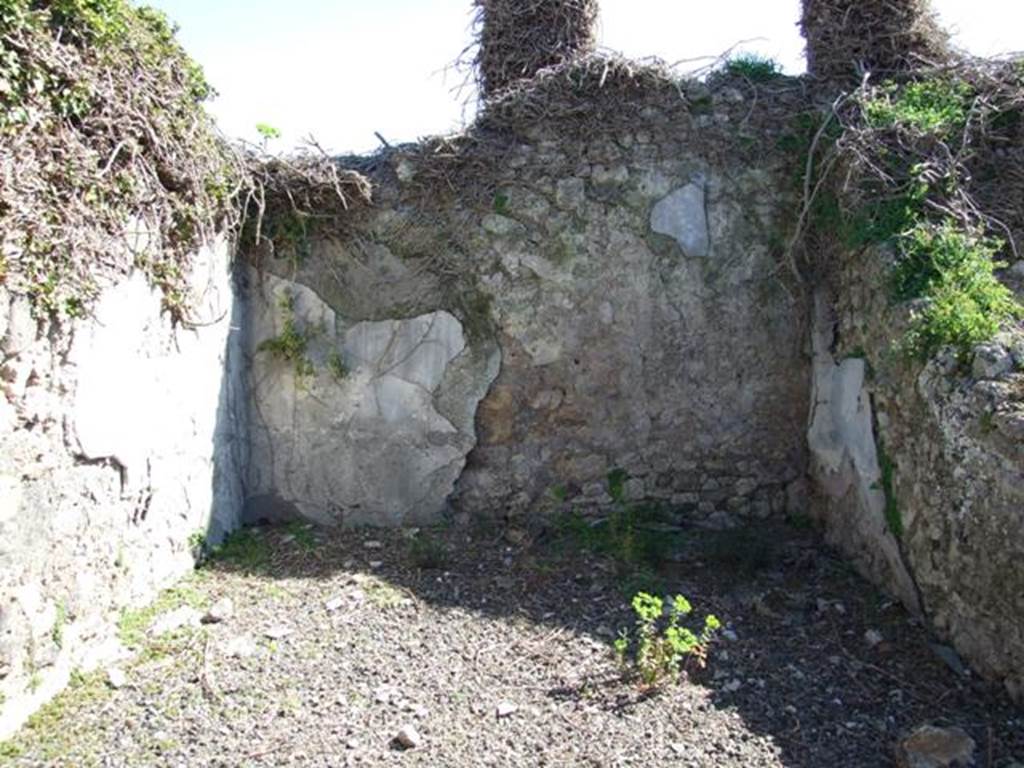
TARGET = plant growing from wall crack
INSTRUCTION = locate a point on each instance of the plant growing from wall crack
(291, 345)
(754, 67)
(336, 365)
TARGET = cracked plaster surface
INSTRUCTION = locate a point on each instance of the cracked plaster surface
(375, 446)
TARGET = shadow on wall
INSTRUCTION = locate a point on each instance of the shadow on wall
(231, 434)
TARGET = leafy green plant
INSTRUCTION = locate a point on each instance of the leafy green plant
(289, 233)
(986, 422)
(663, 645)
(292, 343)
(85, 79)
(934, 106)
(10, 750)
(244, 549)
(501, 204)
(301, 533)
(197, 543)
(628, 535)
(631, 534)
(754, 66)
(383, 595)
(336, 365)
(427, 553)
(46, 734)
(133, 624)
(914, 134)
(882, 219)
(946, 267)
(893, 518)
(559, 493)
(267, 131)
(952, 270)
(57, 633)
(879, 219)
(617, 485)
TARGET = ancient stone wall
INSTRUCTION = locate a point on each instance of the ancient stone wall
(921, 468)
(501, 337)
(122, 441)
(618, 304)
(585, 300)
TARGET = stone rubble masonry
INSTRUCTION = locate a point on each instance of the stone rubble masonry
(119, 440)
(634, 320)
(953, 434)
(618, 307)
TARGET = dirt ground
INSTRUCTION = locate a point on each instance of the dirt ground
(499, 654)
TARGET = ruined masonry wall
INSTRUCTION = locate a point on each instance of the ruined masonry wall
(630, 314)
(613, 301)
(921, 469)
(121, 441)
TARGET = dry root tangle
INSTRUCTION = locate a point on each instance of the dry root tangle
(847, 38)
(518, 38)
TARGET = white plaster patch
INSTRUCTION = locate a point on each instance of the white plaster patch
(682, 215)
(841, 439)
(416, 350)
(10, 498)
(375, 446)
(114, 412)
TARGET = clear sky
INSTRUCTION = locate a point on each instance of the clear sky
(343, 69)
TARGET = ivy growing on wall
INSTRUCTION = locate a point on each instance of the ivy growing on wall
(142, 176)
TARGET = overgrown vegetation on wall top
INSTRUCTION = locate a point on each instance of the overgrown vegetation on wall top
(926, 165)
(108, 158)
(517, 39)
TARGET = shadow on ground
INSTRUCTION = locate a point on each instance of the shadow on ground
(814, 664)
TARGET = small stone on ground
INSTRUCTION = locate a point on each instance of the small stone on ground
(172, 621)
(408, 737)
(220, 611)
(278, 632)
(932, 747)
(116, 678)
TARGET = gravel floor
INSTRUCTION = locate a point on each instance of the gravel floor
(499, 654)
